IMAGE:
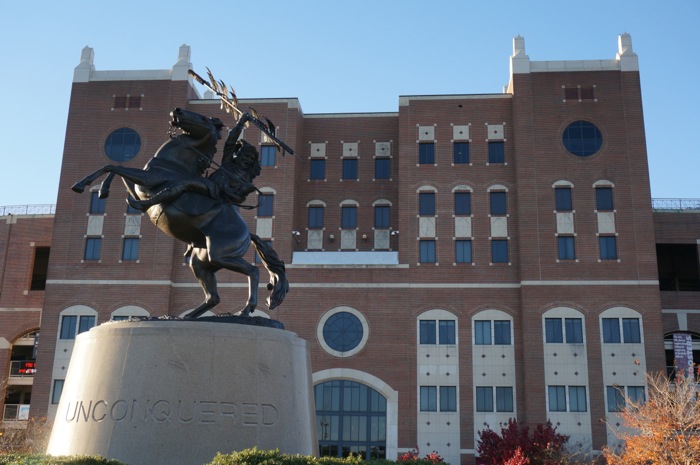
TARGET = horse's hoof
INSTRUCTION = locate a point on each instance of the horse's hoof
(103, 193)
(78, 187)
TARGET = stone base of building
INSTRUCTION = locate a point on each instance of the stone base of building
(178, 392)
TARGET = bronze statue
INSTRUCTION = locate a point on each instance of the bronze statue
(199, 210)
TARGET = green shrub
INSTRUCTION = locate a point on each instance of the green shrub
(41, 459)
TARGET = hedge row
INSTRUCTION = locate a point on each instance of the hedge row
(246, 457)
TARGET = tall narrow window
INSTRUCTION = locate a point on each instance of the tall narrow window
(497, 153)
(631, 333)
(349, 217)
(57, 390)
(266, 203)
(426, 153)
(463, 251)
(574, 330)
(557, 398)
(611, 330)
(268, 155)
(382, 168)
(448, 398)
(97, 205)
(499, 251)
(40, 268)
(85, 323)
(484, 399)
(427, 251)
(504, 399)
(461, 153)
(315, 217)
(446, 332)
(426, 203)
(616, 398)
(562, 199)
(428, 398)
(577, 399)
(501, 332)
(463, 203)
(603, 199)
(68, 326)
(608, 247)
(553, 331)
(427, 332)
(317, 169)
(381, 216)
(349, 168)
(566, 248)
(498, 203)
(482, 332)
(93, 246)
(130, 252)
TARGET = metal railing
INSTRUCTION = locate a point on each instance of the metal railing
(22, 368)
(676, 205)
(47, 209)
(15, 412)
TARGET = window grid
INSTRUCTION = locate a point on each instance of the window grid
(268, 155)
(426, 153)
(381, 216)
(427, 251)
(349, 168)
(382, 168)
(497, 153)
(461, 153)
(426, 203)
(463, 204)
(501, 332)
(317, 169)
(130, 250)
(348, 217)
(316, 217)
(266, 205)
(463, 251)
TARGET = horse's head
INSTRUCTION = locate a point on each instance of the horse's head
(196, 125)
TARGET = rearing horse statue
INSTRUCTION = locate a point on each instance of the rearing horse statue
(198, 210)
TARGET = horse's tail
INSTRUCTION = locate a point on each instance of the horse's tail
(275, 267)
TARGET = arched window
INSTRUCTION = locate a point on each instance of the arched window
(350, 419)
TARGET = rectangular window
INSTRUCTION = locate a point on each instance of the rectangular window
(381, 216)
(636, 394)
(574, 330)
(382, 168)
(448, 398)
(130, 251)
(562, 199)
(501, 332)
(499, 251)
(611, 330)
(463, 203)
(97, 205)
(426, 203)
(268, 155)
(498, 203)
(317, 169)
(348, 217)
(603, 199)
(463, 251)
(316, 217)
(428, 398)
(577, 399)
(40, 268)
(266, 204)
(504, 399)
(349, 168)
(484, 399)
(446, 332)
(616, 398)
(608, 247)
(57, 390)
(86, 322)
(553, 331)
(567, 250)
(557, 398)
(68, 326)
(630, 331)
(497, 152)
(461, 153)
(482, 332)
(427, 251)
(92, 248)
(427, 331)
(426, 153)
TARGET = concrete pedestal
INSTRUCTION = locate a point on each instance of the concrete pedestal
(178, 392)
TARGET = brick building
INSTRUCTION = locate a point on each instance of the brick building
(461, 261)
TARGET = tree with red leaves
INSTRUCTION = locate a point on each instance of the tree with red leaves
(515, 446)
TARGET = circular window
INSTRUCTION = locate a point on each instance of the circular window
(582, 138)
(342, 331)
(123, 145)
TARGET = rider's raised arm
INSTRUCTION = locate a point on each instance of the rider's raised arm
(235, 134)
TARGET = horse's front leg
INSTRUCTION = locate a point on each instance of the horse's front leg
(253, 283)
(104, 187)
(80, 186)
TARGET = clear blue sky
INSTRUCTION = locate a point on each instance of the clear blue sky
(338, 56)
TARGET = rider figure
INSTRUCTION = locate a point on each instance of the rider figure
(231, 183)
